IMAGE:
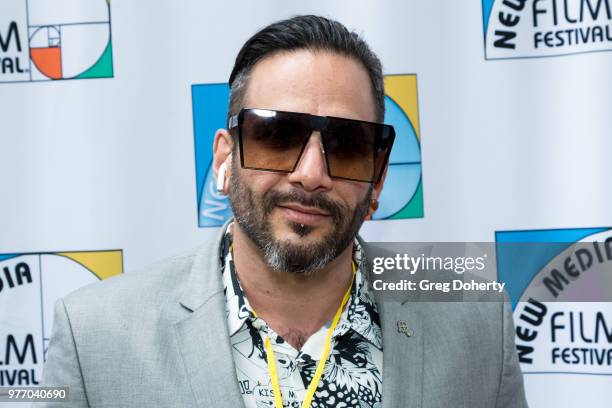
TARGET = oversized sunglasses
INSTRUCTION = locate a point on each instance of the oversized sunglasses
(274, 140)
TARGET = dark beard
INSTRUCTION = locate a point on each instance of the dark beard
(252, 214)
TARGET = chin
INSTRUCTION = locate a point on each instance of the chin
(303, 232)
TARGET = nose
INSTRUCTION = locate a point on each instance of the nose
(311, 171)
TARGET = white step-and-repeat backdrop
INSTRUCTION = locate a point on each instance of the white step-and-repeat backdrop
(503, 110)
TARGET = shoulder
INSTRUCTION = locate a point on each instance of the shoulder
(145, 289)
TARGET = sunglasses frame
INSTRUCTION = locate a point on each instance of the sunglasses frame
(316, 123)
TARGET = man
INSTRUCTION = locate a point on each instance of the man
(277, 311)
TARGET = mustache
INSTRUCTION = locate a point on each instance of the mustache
(317, 200)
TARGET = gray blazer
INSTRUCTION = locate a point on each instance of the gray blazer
(158, 338)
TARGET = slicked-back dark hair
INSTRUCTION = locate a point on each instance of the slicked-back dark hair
(309, 32)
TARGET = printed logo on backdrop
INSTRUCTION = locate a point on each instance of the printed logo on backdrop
(42, 40)
(558, 281)
(543, 28)
(402, 196)
(30, 284)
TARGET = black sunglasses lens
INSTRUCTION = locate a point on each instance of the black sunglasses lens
(354, 149)
(272, 140)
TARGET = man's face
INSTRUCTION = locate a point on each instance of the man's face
(303, 220)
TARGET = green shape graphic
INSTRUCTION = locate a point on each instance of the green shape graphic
(103, 68)
(414, 209)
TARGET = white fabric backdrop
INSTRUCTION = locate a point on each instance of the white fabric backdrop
(108, 163)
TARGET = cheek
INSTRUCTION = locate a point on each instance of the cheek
(352, 193)
(260, 181)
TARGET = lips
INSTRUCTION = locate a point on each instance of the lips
(303, 215)
(305, 210)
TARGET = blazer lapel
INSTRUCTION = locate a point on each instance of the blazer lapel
(204, 345)
(203, 338)
(403, 336)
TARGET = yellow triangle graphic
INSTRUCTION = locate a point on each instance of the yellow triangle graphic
(103, 264)
(403, 90)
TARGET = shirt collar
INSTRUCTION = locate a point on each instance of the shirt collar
(360, 315)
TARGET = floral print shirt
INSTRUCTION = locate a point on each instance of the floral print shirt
(352, 376)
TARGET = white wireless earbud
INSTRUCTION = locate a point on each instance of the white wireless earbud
(221, 178)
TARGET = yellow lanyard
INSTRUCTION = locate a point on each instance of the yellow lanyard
(314, 383)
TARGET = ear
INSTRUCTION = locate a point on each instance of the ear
(376, 191)
(222, 153)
